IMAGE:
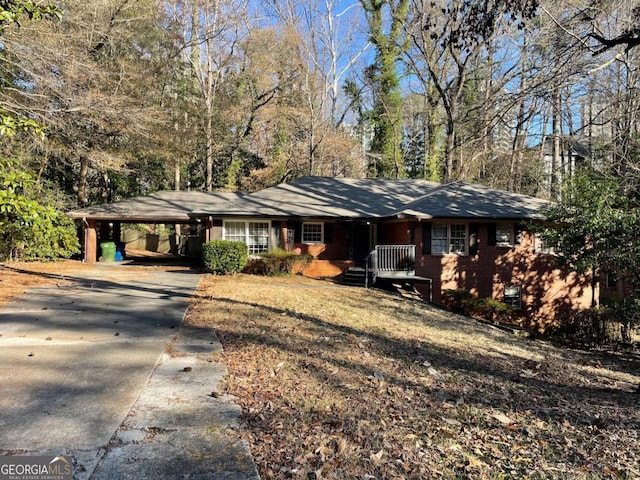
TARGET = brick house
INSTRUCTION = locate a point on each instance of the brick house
(451, 236)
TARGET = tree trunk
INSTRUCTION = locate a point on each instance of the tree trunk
(82, 181)
(517, 154)
(556, 152)
(449, 150)
(209, 150)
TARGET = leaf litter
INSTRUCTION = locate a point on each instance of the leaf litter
(340, 382)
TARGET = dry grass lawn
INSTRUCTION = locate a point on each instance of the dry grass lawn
(346, 383)
(18, 277)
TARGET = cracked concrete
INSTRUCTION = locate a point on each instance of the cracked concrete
(103, 371)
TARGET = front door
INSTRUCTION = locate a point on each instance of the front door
(361, 242)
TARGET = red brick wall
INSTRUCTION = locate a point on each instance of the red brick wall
(336, 250)
(396, 233)
(547, 291)
(326, 268)
(619, 292)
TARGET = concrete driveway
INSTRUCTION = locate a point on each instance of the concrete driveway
(99, 368)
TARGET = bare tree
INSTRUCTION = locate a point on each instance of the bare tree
(211, 31)
(89, 78)
(327, 34)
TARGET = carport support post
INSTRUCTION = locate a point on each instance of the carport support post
(90, 240)
(117, 232)
(208, 226)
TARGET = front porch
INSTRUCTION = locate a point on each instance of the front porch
(383, 263)
(392, 262)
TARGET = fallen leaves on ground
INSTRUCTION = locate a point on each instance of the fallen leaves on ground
(17, 277)
(339, 382)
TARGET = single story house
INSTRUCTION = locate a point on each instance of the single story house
(453, 236)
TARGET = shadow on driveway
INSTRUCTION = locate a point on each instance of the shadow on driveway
(75, 357)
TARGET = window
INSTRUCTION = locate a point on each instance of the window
(612, 280)
(312, 232)
(448, 239)
(541, 246)
(512, 296)
(258, 237)
(255, 235)
(504, 234)
(458, 239)
(235, 231)
(439, 234)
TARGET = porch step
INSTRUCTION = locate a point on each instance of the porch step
(354, 276)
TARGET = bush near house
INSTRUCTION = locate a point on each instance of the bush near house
(492, 309)
(224, 257)
(278, 262)
(462, 301)
(611, 322)
(458, 301)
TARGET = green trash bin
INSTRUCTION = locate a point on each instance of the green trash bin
(108, 251)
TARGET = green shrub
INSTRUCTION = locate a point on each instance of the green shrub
(30, 230)
(492, 309)
(459, 301)
(56, 237)
(462, 301)
(224, 257)
(278, 262)
(592, 325)
(613, 321)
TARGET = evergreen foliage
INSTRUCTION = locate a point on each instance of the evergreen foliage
(30, 230)
(224, 257)
(386, 114)
(595, 227)
(464, 302)
(594, 230)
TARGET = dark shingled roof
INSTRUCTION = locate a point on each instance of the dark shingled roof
(328, 198)
(167, 206)
(465, 200)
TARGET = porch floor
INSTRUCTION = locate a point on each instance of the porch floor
(397, 275)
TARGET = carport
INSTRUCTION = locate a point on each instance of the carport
(104, 222)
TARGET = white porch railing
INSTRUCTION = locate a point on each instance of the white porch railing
(390, 260)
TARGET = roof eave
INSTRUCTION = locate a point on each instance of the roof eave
(133, 218)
